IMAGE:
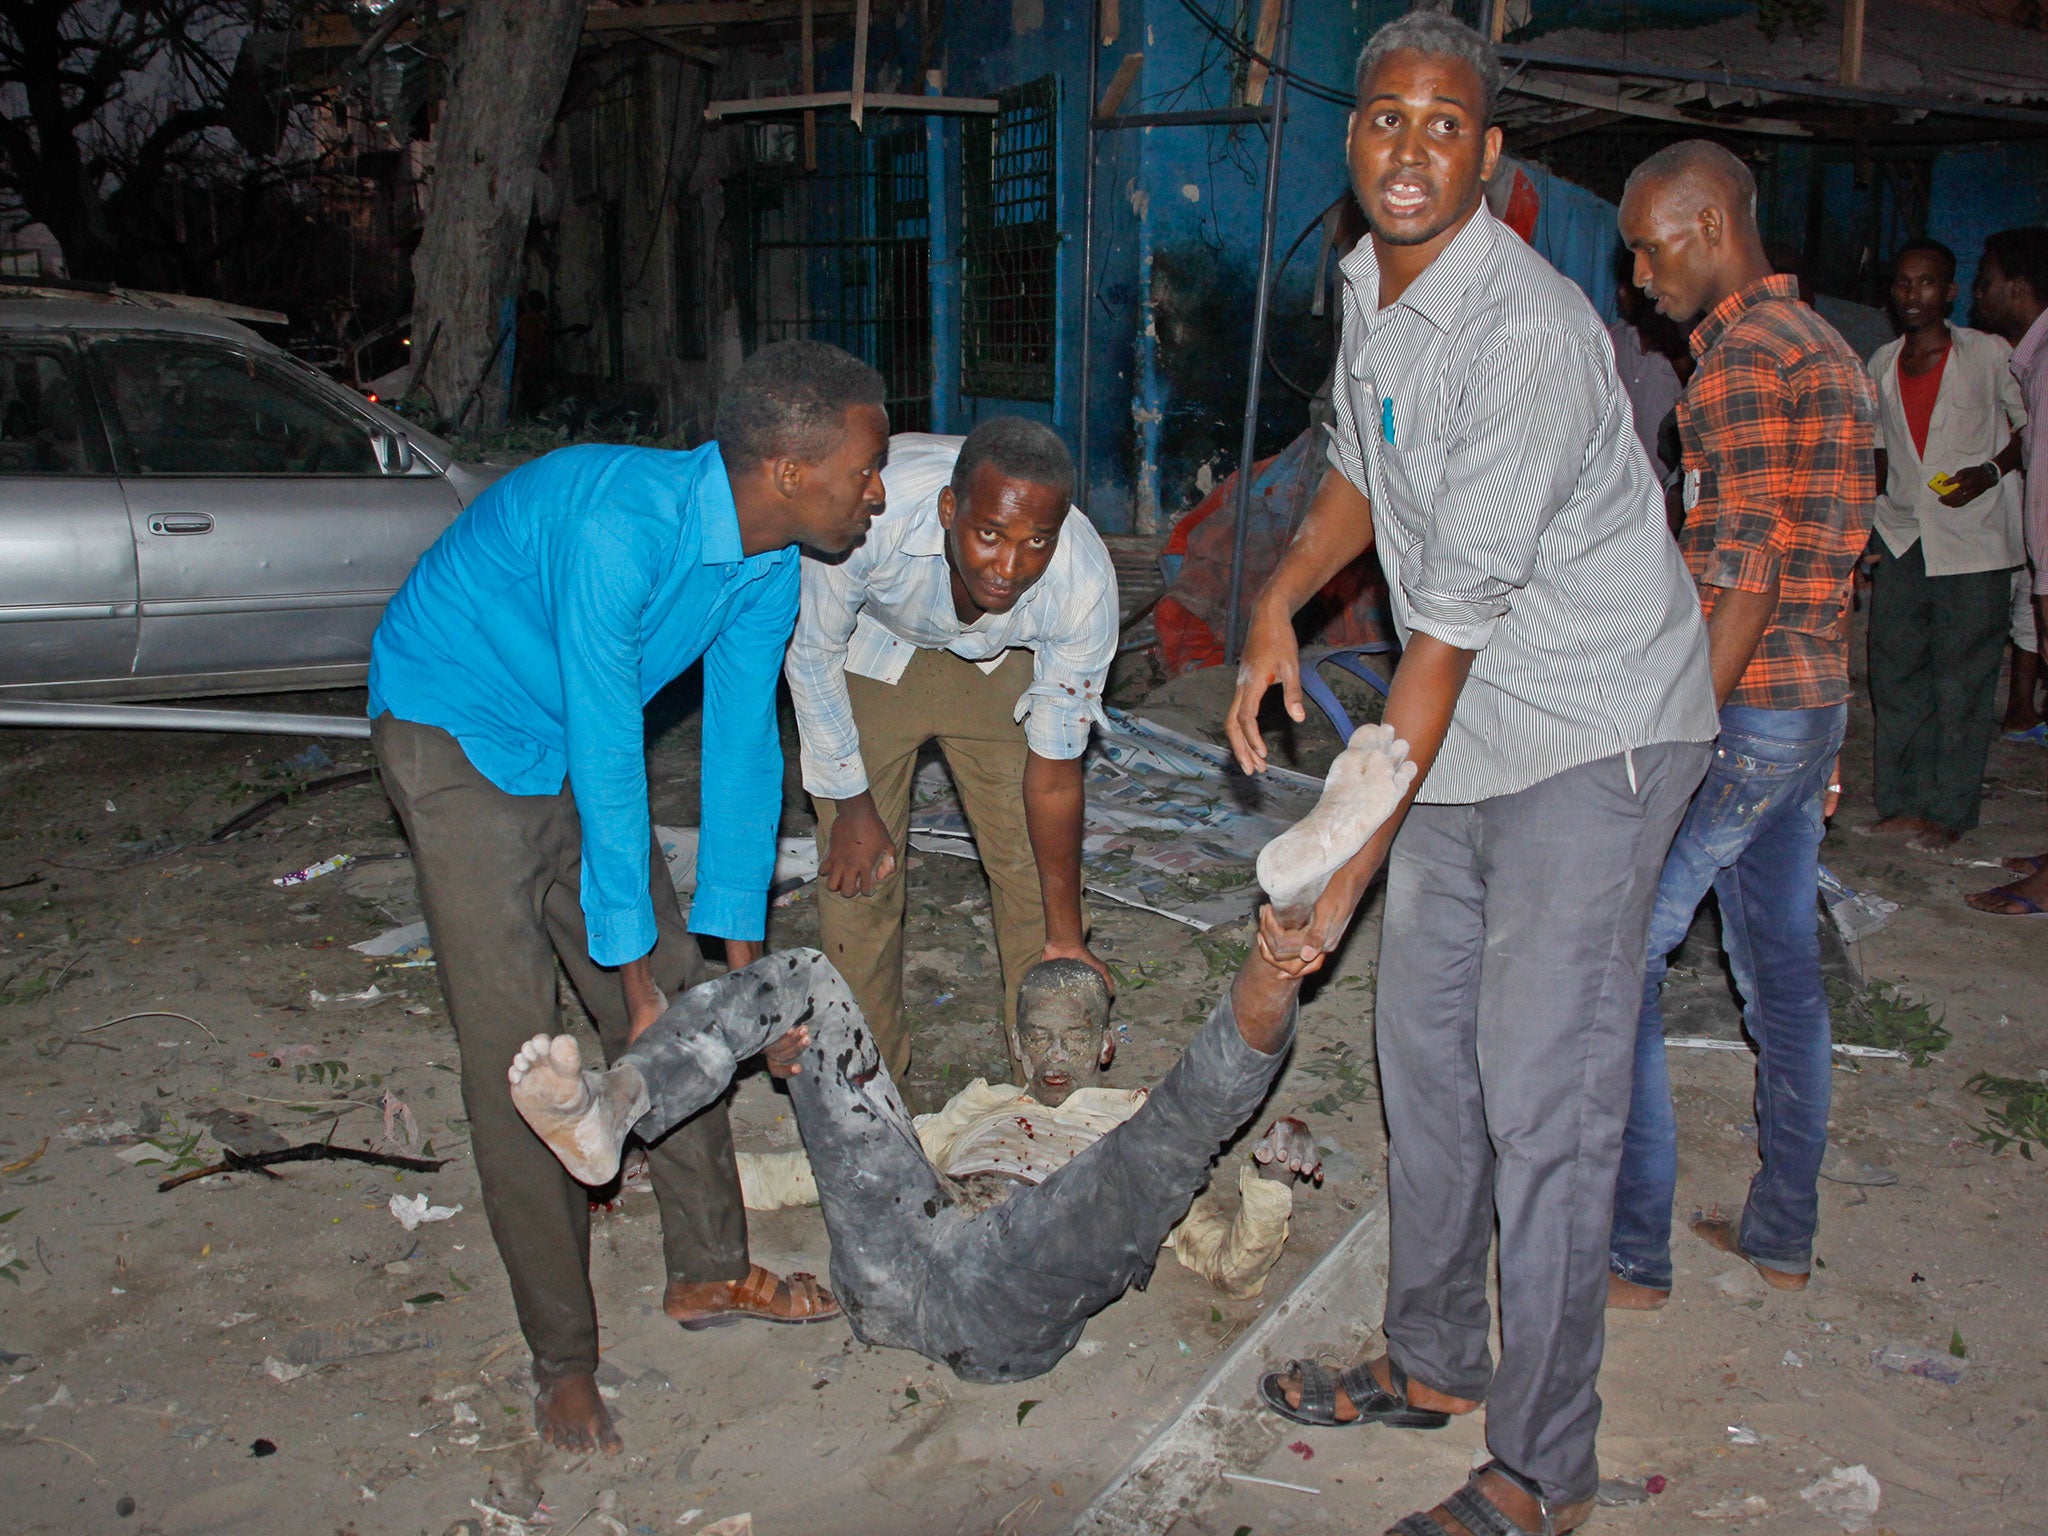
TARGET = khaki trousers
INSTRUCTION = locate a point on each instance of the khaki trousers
(971, 715)
(499, 881)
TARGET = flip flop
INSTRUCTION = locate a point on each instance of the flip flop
(2025, 863)
(2032, 736)
(2028, 908)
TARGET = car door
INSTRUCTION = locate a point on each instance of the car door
(67, 560)
(269, 528)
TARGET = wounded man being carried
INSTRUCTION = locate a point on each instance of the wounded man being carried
(993, 1275)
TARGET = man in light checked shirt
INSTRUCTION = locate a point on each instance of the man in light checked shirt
(1554, 692)
(981, 613)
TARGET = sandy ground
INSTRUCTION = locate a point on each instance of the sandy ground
(138, 1328)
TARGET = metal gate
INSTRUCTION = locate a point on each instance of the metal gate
(841, 253)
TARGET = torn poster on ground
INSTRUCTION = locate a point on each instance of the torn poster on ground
(1171, 826)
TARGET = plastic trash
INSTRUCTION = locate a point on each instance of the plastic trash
(315, 871)
(1857, 915)
(1911, 1360)
(1848, 1496)
(402, 940)
(412, 1210)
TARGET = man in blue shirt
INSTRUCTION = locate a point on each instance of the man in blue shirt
(506, 686)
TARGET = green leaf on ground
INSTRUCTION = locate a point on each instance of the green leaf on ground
(910, 1395)
(1956, 1346)
(1026, 1406)
(7, 1216)
(1887, 1018)
(2021, 1118)
(425, 1299)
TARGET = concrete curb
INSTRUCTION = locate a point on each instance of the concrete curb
(1221, 1427)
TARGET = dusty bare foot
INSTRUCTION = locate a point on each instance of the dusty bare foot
(582, 1116)
(1287, 1151)
(570, 1414)
(1627, 1296)
(1363, 787)
(1933, 838)
(762, 1295)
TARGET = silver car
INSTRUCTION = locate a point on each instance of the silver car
(187, 510)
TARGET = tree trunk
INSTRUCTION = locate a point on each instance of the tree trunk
(510, 68)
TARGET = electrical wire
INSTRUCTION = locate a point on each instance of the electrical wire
(1245, 50)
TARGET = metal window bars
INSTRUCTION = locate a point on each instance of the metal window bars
(1010, 249)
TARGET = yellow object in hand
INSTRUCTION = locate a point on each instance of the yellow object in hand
(1942, 484)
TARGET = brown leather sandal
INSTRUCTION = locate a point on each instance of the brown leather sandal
(1718, 1231)
(763, 1296)
(1495, 1502)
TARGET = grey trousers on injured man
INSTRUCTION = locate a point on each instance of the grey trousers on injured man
(998, 1294)
(1511, 978)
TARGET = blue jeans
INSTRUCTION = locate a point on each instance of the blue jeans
(1753, 834)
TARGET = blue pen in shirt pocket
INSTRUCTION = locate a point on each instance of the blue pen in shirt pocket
(1387, 422)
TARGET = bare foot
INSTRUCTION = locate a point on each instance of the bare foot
(1364, 786)
(1894, 826)
(570, 1414)
(582, 1116)
(1288, 1151)
(1933, 838)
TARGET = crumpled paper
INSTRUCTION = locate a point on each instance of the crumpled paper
(412, 1210)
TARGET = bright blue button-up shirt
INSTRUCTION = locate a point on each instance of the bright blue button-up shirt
(547, 615)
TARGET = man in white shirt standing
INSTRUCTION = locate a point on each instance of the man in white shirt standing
(1948, 537)
(980, 613)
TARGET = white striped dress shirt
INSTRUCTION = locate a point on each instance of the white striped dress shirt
(894, 594)
(1515, 514)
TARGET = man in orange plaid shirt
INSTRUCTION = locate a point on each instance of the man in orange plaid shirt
(1777, 425)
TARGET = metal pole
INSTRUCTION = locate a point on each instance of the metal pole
(1088, 252)
(1233, 639)
(66, 715)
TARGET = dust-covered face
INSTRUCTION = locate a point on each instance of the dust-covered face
(1062, 1028)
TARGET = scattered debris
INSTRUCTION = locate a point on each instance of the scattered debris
(412, 1210)
(1263, 1482)
(1735, 1507)
(1857, 915)
(393, 942)
(1620, 1492)
(261, 1447)
(731, 1525)
(315, 871)
(1848, 1495)
(280, 1371)
(1910, 1360)
(331, 1346)
(270, 805)
(312, 760)
(1742, 1434)
(27, 1162)
(241, 1133)
(398, 1116)
(152, 1013)
(318, 1152)
(796, 860)
(370, 994)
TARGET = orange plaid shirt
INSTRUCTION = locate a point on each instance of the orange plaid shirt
(1778, 426)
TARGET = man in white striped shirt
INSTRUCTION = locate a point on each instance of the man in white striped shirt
(980, 613)
(1554, 692)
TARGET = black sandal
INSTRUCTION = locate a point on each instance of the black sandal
(1375, 1404)
(1480, 1516)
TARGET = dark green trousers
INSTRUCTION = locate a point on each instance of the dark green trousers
(498, 877)
(1936, 644)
